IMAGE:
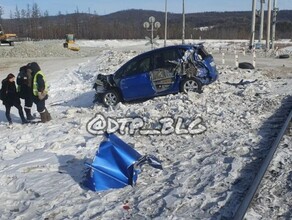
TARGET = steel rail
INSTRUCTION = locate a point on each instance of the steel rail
(241, 211)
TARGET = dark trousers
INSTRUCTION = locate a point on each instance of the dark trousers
(8, 108)
(28, 102)
(27, 107)
(40, 104)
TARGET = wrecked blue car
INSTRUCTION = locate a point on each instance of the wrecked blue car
(167, 70)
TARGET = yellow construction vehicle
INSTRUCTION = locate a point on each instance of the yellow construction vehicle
(6, 38)
(70, 43)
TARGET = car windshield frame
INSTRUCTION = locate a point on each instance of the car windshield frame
(179, 51)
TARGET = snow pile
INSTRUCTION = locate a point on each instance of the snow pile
(286, 50)
(205, 174)
(48, 48)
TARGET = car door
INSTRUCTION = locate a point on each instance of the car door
(135, 82)
(163, 75)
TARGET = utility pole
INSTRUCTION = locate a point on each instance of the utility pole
(262, 21)
(251, 44)
(183, 28)
(165, 24)
(268, 26)
(275, 12)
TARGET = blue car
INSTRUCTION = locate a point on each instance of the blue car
(167, 70)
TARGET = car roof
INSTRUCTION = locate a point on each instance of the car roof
(154, 51)
(180, 46)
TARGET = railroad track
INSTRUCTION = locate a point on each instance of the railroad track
(286, 113)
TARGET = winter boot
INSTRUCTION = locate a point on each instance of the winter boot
(48, 115)
(24, 121)
(43, 116)
(29, 117)
(49, 118)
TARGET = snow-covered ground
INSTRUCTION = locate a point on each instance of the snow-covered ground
(204, 175)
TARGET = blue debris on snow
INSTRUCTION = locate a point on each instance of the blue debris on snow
(115, 165)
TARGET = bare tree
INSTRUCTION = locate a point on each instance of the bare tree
(17, 13)
(1, 12)
(23, 14)
(28, 11)
(35, 12)
(46, 13)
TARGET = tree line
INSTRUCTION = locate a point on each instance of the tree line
(32, 23)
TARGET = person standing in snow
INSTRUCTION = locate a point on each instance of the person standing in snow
(10, 97)
(39, 90)
(24, 89)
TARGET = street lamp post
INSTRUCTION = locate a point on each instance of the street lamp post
(183, 27)
(152, 26)
(268, 26)
(251, 44)
(165, 24)
(274, 21)
(261, 32)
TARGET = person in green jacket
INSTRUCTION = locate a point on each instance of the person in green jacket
(39, 90)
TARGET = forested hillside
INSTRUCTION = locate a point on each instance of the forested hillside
(128, 24)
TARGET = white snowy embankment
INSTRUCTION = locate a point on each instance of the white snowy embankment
(42, 165)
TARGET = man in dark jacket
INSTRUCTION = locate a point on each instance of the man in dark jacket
(39, 90)
(10, 97)
(25, 91)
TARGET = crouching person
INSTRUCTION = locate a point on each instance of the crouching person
(39, 90)
(10, 97)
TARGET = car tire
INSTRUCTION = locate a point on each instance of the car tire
(245, 65)
(284, 56)
(190, 85)
(111, 98)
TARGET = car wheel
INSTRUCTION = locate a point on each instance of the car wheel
(111, 98)
(191, 85)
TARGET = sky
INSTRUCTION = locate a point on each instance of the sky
(102, 7)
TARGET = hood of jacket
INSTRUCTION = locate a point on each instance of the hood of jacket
(34, 67)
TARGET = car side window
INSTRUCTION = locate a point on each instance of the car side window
(160, 60)
(181, 52)
(136, 67)
(172, 55)
(202, 52)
